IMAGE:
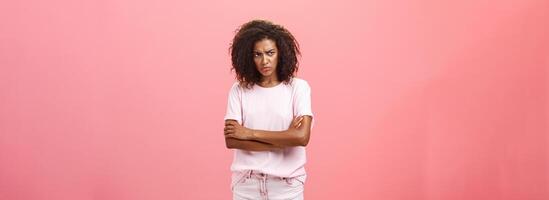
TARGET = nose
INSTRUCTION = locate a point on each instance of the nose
(264, 60)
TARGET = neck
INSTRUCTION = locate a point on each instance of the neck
(269, 81)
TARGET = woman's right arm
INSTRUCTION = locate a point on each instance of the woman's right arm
(233, 113)
(250, 145)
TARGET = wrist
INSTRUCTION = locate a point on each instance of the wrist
(252, 134)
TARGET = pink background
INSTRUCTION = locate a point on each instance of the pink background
(413, 99)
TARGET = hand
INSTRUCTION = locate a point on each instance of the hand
(234, 130)
(296, 122)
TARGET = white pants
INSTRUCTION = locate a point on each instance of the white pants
(252, 185)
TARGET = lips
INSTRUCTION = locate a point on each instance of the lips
(265, 69)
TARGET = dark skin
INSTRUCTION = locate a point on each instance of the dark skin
(239, 137)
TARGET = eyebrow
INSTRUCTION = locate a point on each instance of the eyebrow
(256, 51)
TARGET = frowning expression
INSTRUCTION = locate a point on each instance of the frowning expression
(265, 56)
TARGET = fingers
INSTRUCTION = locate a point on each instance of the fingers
(297, 121)
(231, 122)
(235, 136)
(230, 126)
(228, 129)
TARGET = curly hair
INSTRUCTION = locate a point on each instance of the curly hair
(241, 51)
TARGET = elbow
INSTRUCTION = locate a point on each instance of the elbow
(229, 143)
(304, 140)
(301, 138)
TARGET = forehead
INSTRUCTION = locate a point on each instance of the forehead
(265, 45)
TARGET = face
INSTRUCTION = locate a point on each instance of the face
(265, 57)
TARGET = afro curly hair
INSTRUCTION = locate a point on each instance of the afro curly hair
(242, 46)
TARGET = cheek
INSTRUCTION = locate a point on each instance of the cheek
(274, 59)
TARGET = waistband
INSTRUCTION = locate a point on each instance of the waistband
(259, 174)
(237, 176)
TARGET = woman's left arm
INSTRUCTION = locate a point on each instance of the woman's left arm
(298, 133)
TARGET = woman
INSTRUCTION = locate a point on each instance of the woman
(269, 118)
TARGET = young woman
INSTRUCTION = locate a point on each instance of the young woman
(269, 118)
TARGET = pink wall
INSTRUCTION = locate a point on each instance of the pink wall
(413, 99)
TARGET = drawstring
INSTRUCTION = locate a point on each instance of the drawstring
(262, 183)
(263, 186)
(262, 178)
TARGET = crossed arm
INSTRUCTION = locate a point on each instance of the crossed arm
(240, 137)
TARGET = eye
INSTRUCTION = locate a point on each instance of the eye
(270, 53)
(256, 54)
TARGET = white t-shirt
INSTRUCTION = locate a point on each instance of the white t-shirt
(270, 109)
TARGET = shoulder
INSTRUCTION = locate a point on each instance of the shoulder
(300, 86)
(236, 87)
(299, 83)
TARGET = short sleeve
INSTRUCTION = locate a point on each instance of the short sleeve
(234, 104)
(302, 99)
